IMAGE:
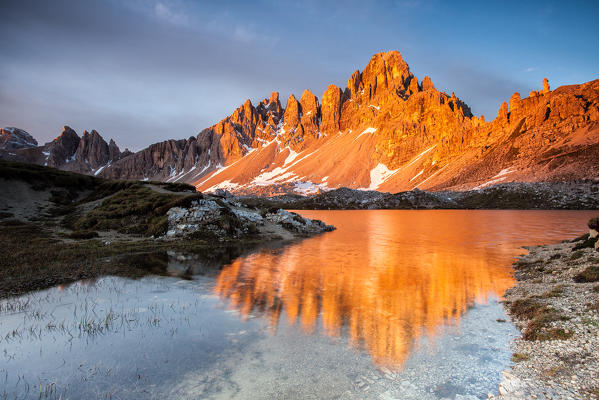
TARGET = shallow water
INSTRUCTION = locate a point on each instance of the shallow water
(393, 304)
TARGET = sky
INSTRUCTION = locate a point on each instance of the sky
(143, 71)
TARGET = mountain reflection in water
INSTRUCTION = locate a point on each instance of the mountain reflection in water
(384, 278)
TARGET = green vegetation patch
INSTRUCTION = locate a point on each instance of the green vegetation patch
(519, 357)
(538, 329)
(536, 264)
(525, 308)
(557, 291)
(83, 235)
(172, 186)
(590, 274)
(576, 255)
(132, 209)
(541, 317)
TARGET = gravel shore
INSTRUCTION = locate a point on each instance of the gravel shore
(555, 304)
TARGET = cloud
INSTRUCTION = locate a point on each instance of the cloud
(111, 67)
(163, 11)
(243, 34)
(529, 69)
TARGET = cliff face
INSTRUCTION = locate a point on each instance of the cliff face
(385, 131)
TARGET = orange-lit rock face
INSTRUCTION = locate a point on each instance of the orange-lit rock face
(384, 277)
(387, 132)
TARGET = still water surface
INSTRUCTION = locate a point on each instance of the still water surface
(391, 305)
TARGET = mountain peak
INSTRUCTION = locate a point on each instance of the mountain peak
(308, 101)
(427, 83)
(15, 138)
(274, 97)
(385, 73)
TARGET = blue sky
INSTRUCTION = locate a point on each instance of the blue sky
(143, 71)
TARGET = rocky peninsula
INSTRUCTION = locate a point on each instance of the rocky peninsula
(57, 227)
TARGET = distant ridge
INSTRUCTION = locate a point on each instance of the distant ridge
(88, 154)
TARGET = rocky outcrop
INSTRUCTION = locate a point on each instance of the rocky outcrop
(332, 100)
(62, 149)
(160, 161)
(427, 83)
(93, 150)
(16, 139)
(221, 218)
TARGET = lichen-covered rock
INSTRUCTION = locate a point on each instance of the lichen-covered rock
(203, 213)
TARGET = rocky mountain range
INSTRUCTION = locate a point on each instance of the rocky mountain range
(386, 131)
(88, 154)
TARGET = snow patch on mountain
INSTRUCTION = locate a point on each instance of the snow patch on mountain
(308, 187)
(292, 156)
(419, 156)
(378, 175)
(500, 177)
(225, 185)
(270, 177)
(365, 132)
(417, 175)
(101, 169)
(504, 172)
